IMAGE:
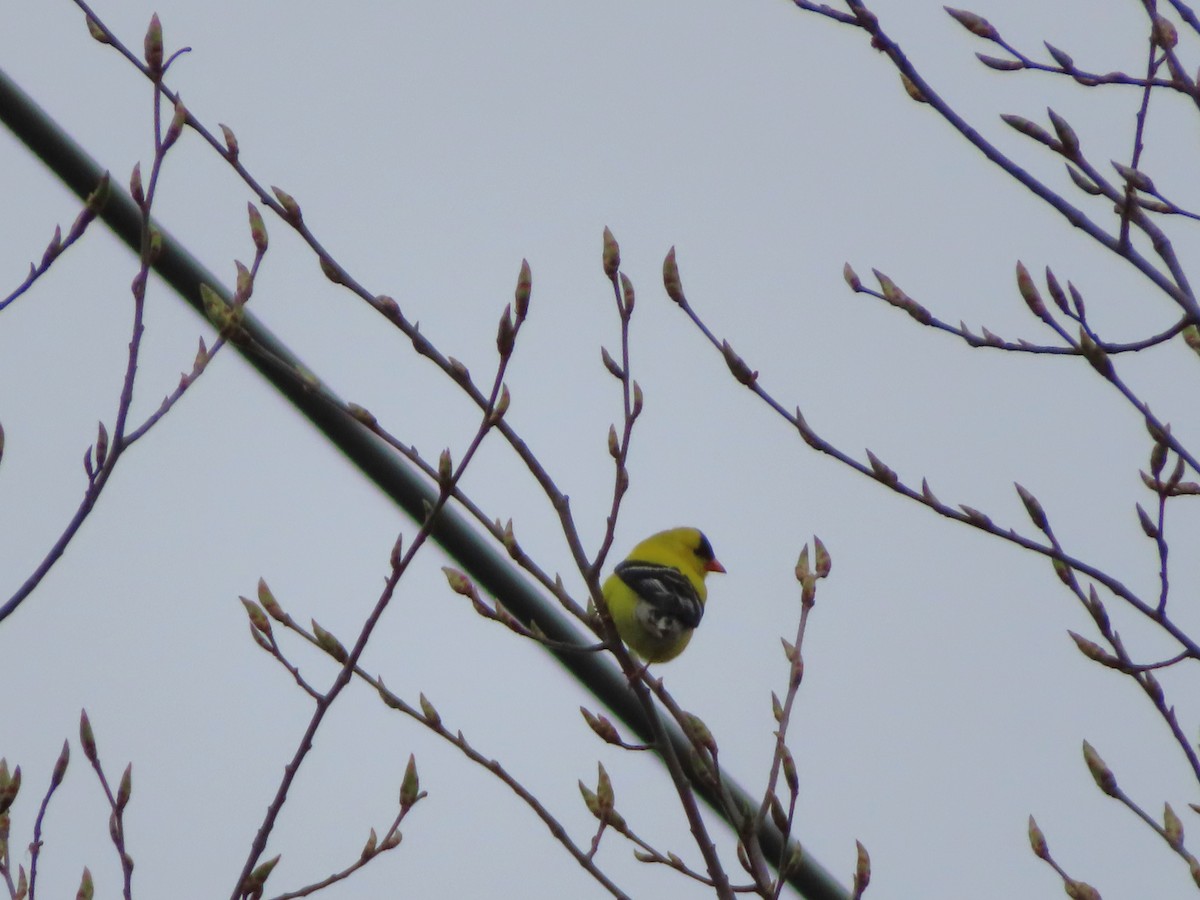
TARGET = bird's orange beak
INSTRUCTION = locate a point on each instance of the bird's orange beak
(713, 566)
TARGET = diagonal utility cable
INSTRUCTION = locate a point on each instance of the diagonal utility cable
(407, 487)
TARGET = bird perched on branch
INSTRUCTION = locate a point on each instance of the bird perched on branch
(656, 595)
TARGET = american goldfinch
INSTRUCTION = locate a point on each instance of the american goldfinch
(656, 595)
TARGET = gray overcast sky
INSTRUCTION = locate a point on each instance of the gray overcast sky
(432, 146)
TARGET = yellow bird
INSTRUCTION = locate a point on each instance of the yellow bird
(656, 595)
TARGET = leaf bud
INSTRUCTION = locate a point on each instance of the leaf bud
(1084, 183)
(1066, 134)
(1135, 178)
(611, 255)
(54, 248)
(891, 291)
(101, 445)
(125, 788)
(87, 739)
(1158, 458)
(974, 23)
(215, 308)
(410, 787)
(459, 583)
(1095, 354)
(331, 270)
(291, 209)
(789, 770)
(153, 45)
(1060, 56)
(258, 618)
(611, 364)
(627, 294)
(231, 143)
(1034, 508)
(589, 799)
(1173, 827)
(87, 887)
(1000, 65)
(506, 334)
(1105, 780)
(778, 815)
(258, 229)
(369, 848)
(605, 797)
(502, 403)
(1030, 293)
(10, 786)
(330, 644)
(509, 539)
(135, 185)
(60, 765)
(824, 560)
(1037, 840)
(268, 602)
(1152, 687)
(1191, 337)
(1093, 651)
(523, 292)
(98, 198)
(882, 472)
(155, 244)
(803, 569)
(1080, 890)
(178, 120)
(432, 716)
(737, 366)
(252, 886)
(1148, 524)
(458, 370)
(913, 89)
(243, 284)
(602, 726)
(862, 869)
(671, 279)
(389, 307)
(1032, 130)
(96, 31)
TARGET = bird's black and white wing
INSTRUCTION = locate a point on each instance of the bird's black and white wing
(669, 602)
